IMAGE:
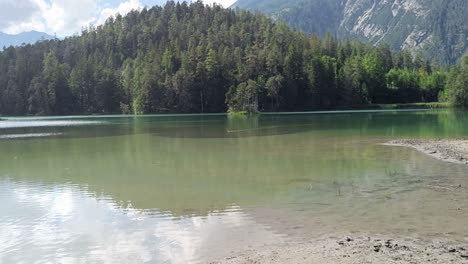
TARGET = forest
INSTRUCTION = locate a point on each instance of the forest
(195, 58)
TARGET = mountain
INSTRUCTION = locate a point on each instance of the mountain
(25, 37)
(192, 58)
(267, 6)
(436, 28)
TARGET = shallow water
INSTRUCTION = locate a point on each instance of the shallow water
(178, 189)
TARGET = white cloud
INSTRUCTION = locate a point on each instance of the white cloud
(225, 3)
(122, 9)
(66, 17)
(13, 11)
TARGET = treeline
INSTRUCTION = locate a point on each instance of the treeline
(457, 85)
(197, 58)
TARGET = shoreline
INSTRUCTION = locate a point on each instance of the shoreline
(346, 109)
(449, 150)
(349, 249)
(366, 247)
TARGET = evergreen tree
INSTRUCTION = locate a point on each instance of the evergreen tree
(198, 58)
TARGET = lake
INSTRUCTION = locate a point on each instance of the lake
(191, 188)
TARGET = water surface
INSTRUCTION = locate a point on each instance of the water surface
(178, 189)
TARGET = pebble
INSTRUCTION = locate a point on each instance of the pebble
(377, 248)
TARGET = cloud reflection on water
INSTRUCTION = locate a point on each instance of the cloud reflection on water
(44, 123)
(66, 224)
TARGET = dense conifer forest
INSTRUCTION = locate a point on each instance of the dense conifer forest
(194, 58)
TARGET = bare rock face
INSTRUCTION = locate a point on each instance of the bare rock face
(435, 28)
(376, 20)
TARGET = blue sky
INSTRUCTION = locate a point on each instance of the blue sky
(67, 17)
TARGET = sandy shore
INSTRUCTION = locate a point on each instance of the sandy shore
(370, 248)
(455, 151)
(349, 250)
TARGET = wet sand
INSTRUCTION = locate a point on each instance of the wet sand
(450, 150)
(355, 250)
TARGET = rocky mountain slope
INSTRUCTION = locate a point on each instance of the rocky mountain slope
(436, 28)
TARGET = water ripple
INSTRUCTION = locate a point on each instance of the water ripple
(44, 123)
(29, 135)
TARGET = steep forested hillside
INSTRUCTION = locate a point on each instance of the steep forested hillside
(436, 28)
(196, 58)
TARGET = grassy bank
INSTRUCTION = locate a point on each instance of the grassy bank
(396, 106)
(241, 114)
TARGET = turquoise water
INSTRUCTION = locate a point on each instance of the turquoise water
(190, 188)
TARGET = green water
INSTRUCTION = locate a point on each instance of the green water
(178, 189)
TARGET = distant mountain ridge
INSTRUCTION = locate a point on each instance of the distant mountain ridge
(31, 37)
(436, 28)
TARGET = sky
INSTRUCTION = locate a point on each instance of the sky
(67, 17)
